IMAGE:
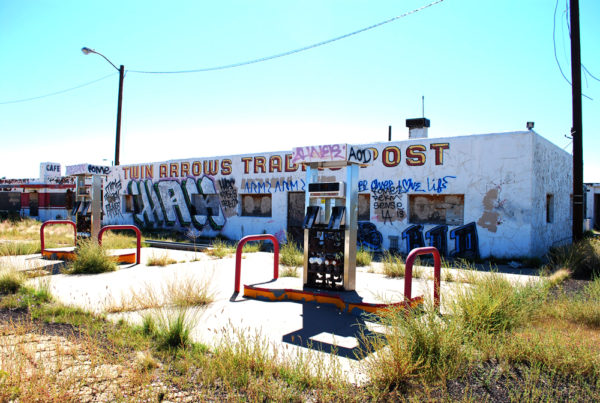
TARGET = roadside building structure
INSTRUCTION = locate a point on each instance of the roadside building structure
(499, 194)
(45, 198)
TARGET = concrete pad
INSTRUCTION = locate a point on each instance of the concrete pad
(286, 325)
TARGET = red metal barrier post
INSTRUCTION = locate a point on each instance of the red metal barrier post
(52, 222)
(437, 263)
(238, 256)
(138, 235)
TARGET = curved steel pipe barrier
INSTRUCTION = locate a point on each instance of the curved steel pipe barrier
(138, 235)
(437, 271)
(238, 256)
(52, 222)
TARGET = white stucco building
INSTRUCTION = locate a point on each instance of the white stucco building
(501, 194)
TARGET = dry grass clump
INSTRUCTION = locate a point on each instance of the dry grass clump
(492, 304)
(415, 344)
(220, 249)
(246, 362)
(11, 280)
(17, 248)
(185, 291)
(119, 240)
(363, 257)
(160, 260)
(287, 271)
(393, 265)
(291, 255)
(170, 329)
(581, 258)
(91, 258)
(252, 247)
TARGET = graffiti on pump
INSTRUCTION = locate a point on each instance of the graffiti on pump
(112, 199)
(189, 202)
(273, 185)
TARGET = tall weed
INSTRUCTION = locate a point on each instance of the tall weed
(393, 265)
(291, 255)
(91, 258)
(414, 344)
(492, 304)
(581, 258)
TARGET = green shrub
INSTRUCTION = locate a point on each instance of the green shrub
(291, 255)
(393, 265)
(91, 258)
(363, 257)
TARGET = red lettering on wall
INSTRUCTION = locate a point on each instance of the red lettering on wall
(162, 169)
(439, 151)
(391, 156)
(275, 163)
(226, 167)
(246, 161)
(289, 165)
(415, 155)
(260, 165)
(185, 169)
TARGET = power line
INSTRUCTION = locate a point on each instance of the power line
(290, 52)
(57, 92)
(567, 11)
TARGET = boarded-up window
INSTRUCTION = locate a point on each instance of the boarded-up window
(436, 209)
(549, 208)
(57, 199)
(364, 207)
(207, 205)
(10, 201)
(256, 205)
(129, 208)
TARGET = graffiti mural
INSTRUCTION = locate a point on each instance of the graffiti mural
(437, 237)
(414, 237)
(466, 242)
(169, 202)
(228, 195)
(368, 236)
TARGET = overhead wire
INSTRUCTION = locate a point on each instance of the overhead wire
(15, 101)
(290, 52)
(239, 64)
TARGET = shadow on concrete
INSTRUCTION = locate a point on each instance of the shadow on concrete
(325, 328)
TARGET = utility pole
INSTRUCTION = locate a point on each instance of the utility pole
(577, 130)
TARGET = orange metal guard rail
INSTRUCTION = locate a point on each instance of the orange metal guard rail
(437, 264)
(131, 227)
(51, 222)
(238, 256)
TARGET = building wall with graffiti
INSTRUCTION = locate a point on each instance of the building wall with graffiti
(475, 195)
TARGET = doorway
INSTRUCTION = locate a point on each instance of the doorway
(33, 204)
(295, 217)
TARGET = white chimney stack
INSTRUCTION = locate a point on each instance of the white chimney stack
(417, 128)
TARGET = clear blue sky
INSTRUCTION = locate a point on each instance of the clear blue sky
(483, 66)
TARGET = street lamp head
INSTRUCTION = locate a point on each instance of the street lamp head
(87, 51)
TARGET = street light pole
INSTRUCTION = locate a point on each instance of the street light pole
(121, 71)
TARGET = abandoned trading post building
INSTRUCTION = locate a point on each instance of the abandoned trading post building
(502, 194)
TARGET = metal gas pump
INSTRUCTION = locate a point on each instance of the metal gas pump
(330, 223)
(87, 209)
